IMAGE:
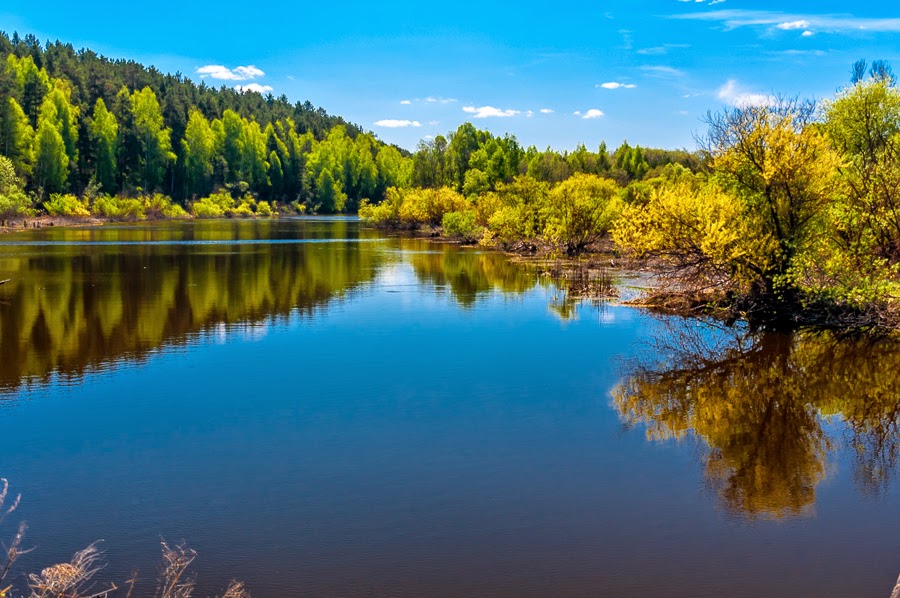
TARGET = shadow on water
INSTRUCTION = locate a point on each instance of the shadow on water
(762, 403)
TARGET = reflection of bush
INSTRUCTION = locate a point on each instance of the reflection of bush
(469, 273)
(758, 405)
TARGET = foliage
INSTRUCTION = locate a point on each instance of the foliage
(461, 225)
(580, 210)
(700, 233)
(118, 209)
(428, 206)
(13, 200)
(66, 205)
(216, 205)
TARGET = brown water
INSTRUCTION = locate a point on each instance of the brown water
(322, 410)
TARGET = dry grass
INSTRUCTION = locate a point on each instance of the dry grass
(75, 579)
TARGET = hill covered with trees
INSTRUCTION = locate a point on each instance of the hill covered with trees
(76, 127)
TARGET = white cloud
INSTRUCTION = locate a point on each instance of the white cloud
(592, 113)
(249, 72)
(734, 19)
(547, 111)
(616, 85)
(223, 73)
(489, 112)
(529, 113)
(433, 100)
(405, 103)
(733, 94)
(397, 124)
(789, 25)
(254, 87)
(807, 34)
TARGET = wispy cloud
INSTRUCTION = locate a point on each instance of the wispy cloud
(490, 112)
(254, 87)
(710, 3)
(616, 85)
(663, 71)
(429, 100)
(547, 111)
(663, 49)
(240, 73)
(734, 19)
(734, 94)
(391, 123)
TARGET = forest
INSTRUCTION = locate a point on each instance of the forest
(85, 135)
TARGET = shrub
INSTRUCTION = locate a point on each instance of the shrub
(386, 213)
(245, 209)
(264, 209)
(214, 206)
(15, 203)
(119, 208)
(13, 200)
(581, 210)
(461, 225)
(428, 206)
(161, 207)
(66, 205)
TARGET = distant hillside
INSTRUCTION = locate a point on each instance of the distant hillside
(72, 118)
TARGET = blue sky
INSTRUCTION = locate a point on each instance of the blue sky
(552, 74)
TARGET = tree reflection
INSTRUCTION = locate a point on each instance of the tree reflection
(467, 273)
(759, 402)
(69, 308)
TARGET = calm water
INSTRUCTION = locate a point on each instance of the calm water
(321, 410)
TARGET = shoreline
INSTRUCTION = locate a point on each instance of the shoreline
(596, 275)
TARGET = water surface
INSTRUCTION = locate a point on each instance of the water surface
(324, 410)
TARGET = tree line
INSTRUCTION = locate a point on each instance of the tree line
(790, 212)
(75, 123)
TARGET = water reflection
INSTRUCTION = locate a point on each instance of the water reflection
(762, 404)
(79, 298)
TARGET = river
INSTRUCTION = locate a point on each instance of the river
(319, 409)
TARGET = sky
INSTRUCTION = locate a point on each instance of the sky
(551, 74)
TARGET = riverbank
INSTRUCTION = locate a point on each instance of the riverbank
(602, 273)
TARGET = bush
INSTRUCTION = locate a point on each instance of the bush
(15, 203)
(428, 206)
(581, 210)
(264, 209)
(214, 206)
(13, 200)
(161, 207)
(245, 209)
(384, 214)
(66, 205)
(118, 209)
(461, 225)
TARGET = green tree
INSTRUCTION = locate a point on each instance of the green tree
(51, 160)
(16, 137)
(104, 133)
(154, 137)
